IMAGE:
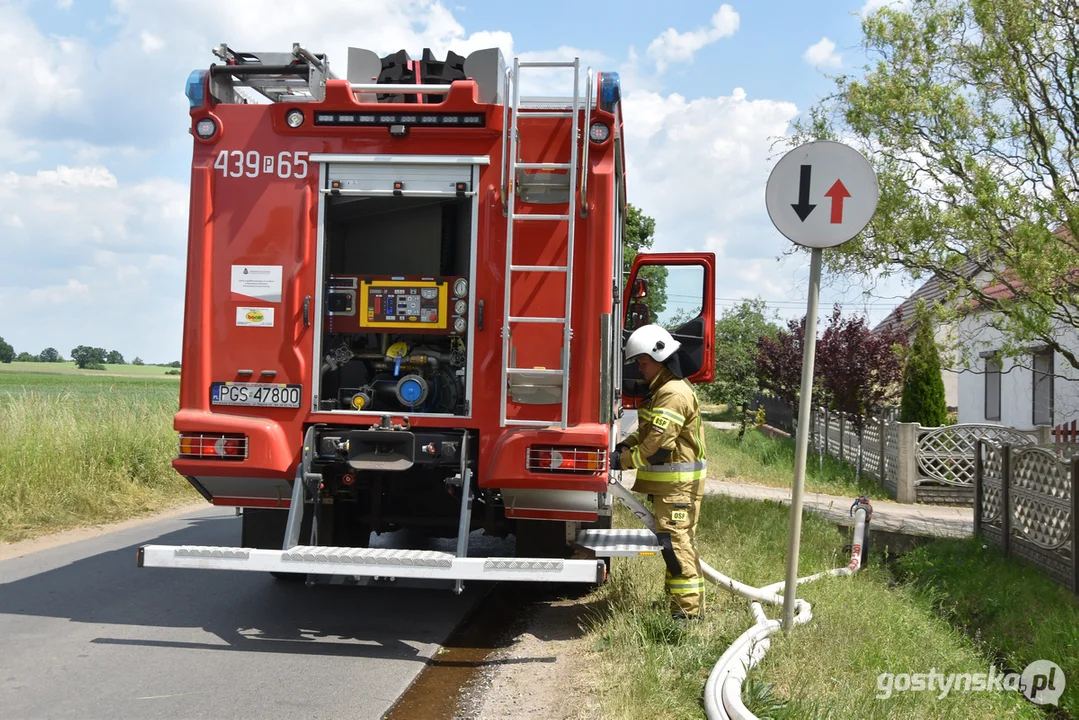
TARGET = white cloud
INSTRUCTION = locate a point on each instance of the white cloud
(672, 46)
(874, 5)
(65, 4)
(102, 256)
(150, 43)
(823, 54)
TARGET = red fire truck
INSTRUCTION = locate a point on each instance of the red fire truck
(405, 309)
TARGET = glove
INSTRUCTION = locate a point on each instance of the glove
(616, 460)
(621, 447)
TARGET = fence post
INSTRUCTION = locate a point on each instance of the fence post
(842, 435)
(882, 467)
(1006, 498)
(1043, 434)
(827, 426)
(907, 469)
(1075, 524)
(978, 486)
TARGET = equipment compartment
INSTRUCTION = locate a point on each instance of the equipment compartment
(396, 304)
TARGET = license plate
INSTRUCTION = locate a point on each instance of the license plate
(256, 394)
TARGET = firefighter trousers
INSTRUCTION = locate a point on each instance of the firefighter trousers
(677, 512)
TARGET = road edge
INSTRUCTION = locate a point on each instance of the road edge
(21, 548)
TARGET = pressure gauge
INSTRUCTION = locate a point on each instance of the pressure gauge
(429, 293)
(459, 325)
(460, 307)
(460, 287)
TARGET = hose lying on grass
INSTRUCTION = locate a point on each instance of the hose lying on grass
(723, 691)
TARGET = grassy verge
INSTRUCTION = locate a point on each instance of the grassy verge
(648, 667)
(763, 460)
(76, 451)
(721, 413)
(1013, 612)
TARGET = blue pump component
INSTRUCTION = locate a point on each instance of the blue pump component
(411, 391)
(610, 91)
(195, 86)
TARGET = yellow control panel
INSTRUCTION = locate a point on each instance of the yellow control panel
(404, 305)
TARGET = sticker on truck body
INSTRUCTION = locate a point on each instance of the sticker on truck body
(254, 317)
(259, 282)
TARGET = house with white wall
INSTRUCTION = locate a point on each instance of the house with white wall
(932, 292)
(1040, 387)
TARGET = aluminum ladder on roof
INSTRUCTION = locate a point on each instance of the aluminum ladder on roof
(511, 136)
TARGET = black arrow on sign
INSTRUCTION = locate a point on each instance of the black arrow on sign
(803, 208)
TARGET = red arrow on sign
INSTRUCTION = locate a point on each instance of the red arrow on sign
(837, 193)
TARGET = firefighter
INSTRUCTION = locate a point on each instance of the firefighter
(668, 453)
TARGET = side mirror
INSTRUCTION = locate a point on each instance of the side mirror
(640, 289)
(638, 316)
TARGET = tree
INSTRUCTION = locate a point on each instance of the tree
(50, 355)
(738, 332)
(639, 236)
(923, 388)
(137, 361)
(87, 357)
(174, 364)
(25, 357)
(114, 358)
(860, 370)
(7, 353)
(969, 112)
(779, 363)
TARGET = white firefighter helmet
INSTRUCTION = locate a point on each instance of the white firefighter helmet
(651, 340)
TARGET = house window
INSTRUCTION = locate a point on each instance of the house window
(1043, 387)
(992, 388)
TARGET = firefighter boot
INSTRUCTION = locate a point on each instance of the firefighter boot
(676, 528)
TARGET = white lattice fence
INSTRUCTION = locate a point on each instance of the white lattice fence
(871, 457)
(1040, 495)
(946, 454)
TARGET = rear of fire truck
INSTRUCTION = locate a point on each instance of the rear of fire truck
(404, 311)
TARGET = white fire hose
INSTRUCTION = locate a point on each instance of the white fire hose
(723, 691)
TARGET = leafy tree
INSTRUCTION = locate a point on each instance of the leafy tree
(969, 112)
(174, 364)
(86, 357)
(923, 388)
(114, 358)
(50, 355)
(137, 361)
(779, 363)
(639, 236)
(739, 330)
(860, 370)
(25, 357)
(7, 353)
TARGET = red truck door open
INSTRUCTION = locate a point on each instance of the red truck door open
(677, 291)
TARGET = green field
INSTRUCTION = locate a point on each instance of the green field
(68, 368)
(84, 447)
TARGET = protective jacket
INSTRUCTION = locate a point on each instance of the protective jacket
(667, 449)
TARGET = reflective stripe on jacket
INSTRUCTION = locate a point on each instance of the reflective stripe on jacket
(668, 446)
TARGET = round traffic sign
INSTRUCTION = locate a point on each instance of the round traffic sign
(821, 194)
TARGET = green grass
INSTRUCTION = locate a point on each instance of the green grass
(647, 667)
(77, 450)
(721, 413)
(68, 368)
(1012, 611)
(762, 460)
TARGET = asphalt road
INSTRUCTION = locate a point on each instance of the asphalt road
(85, 633)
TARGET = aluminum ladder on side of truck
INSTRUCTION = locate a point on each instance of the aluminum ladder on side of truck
(543, 378)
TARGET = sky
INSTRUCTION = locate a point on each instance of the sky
(95, 152)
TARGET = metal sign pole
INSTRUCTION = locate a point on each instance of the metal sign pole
(805, 399)
(814, 217)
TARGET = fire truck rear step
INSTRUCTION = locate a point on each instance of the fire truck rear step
(370, 562)
(619, 543)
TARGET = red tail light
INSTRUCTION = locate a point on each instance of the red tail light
(566, 459)
(213, 447)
